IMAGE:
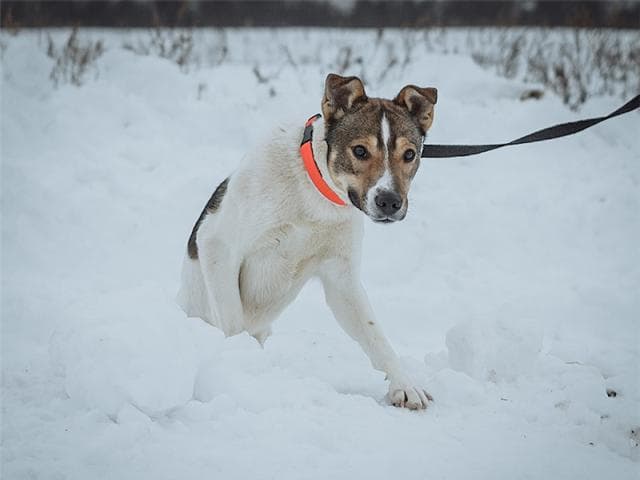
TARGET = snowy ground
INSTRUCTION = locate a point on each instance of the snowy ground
(513, 292)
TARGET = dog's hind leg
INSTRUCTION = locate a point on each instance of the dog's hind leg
(192, 296)
(220, 271)
(262, 335)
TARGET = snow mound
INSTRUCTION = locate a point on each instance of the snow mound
(494, 350)
(454, 389)
(113, 357)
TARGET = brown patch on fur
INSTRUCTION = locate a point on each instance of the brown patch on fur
(212, 205)
(360, 126)
(405, 136)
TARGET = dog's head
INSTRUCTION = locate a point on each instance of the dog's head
(374, 144)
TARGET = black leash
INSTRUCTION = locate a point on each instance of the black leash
(560, 130)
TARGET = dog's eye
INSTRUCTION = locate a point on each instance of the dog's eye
(360, 152)
(409, 155)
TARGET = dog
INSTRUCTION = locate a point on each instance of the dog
(293, 211)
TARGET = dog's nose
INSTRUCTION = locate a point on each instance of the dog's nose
(388, 202)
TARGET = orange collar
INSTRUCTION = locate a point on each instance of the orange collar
(306, 151)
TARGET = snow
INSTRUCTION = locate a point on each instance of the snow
(510, 291)
(495, 351)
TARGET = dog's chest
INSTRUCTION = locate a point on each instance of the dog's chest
(281, 260)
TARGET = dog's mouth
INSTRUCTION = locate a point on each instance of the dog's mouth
(355, 200)
(384, 219)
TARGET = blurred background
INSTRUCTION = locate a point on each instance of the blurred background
(318, 13)
(576, 50)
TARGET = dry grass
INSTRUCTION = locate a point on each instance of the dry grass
(74, 59)
(176, 46)
(574, 64)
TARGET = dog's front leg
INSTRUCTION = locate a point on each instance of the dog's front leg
(221, 269)
(349, 303)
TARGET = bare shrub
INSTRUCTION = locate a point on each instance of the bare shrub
(176, 46)
(348, 62)
(343, 60)
(74, 59)
(575, 64)
(501, 50)
(218, 49)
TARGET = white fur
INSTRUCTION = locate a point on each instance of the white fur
(386, 134)
(385, 182)
(272, 233)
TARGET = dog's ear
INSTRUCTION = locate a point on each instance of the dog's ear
(340, 95)
(419, 102)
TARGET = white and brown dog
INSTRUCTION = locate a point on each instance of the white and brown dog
(267, 228)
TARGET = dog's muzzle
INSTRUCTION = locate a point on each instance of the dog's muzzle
(388, 207)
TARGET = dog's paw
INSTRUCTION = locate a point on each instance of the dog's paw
(405, 396)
